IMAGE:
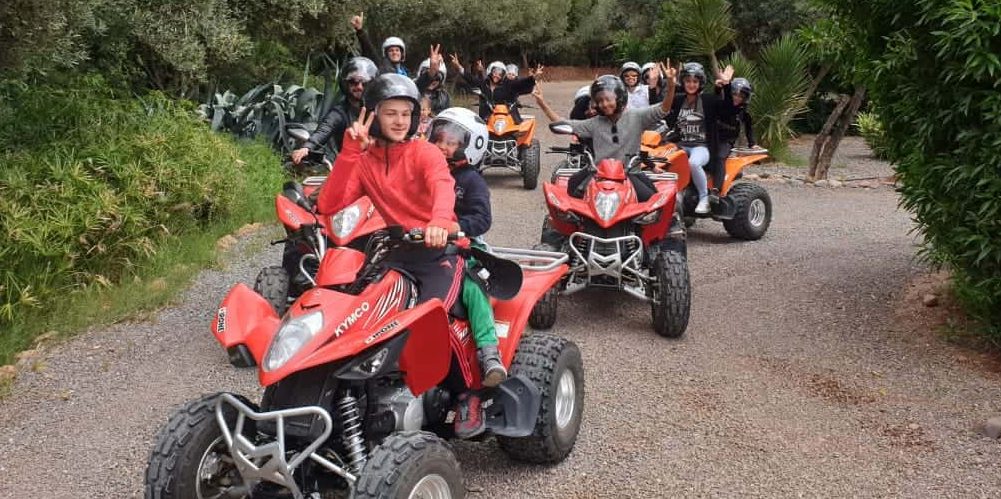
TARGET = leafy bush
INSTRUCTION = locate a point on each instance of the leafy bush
(871, 129)
(933, 71)
(91, 186)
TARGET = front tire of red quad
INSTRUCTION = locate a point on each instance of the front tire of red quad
(531, 164)
(753, 214)
(672, 297)
(411, 464)
(273, 284)
(555, 366)
(190, 445)
(543, 315)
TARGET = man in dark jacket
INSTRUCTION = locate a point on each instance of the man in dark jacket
(431, 81)
(394, 51)
(496, 88)
(354, 77)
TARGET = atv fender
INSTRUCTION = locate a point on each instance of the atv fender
(292, 215)
(734, 166)
(245, 318)
(513, 408)
(514, 313)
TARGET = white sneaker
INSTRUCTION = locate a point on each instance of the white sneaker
(703, 207)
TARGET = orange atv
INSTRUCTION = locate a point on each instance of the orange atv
(745, 208)
(512, 145)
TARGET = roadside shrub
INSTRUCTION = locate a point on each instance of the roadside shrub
(92, 184)
(933, 71)
(871, 129)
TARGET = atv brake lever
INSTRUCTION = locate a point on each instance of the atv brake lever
(280, 241)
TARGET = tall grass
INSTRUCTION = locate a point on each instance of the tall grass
(94, 186)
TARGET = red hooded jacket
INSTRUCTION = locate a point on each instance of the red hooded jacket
(408, 182)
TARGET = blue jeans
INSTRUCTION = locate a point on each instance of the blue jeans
(698, 158)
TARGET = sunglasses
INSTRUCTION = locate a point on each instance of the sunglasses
(354, 81)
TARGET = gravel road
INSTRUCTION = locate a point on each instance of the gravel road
(794, 378)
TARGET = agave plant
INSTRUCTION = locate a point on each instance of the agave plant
(706, 27)
(780, 94)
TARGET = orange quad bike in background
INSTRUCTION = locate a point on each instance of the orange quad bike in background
(745, 208)
(512, 145)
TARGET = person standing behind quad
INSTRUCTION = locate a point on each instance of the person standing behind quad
(431, 81)
(394, 51)
(696, 114)
(355, 75)
(639, 93)
(496, 88)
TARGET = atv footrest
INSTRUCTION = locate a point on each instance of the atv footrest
(513, 408)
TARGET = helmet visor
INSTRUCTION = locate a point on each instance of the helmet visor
(449, 133)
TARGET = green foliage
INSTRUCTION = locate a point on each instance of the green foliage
(760, 22)
(871, 129)
(933, 71)
(92, 186)
(705, 27)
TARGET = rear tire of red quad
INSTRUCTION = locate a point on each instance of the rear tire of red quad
(672, 294)
(272, 283)
(555, 366)
(543, 315)
(411, 464)
(190, 440)
(531, 164)
(753, 214)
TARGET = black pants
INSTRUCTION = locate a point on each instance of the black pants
(438, 274)
(717, 166)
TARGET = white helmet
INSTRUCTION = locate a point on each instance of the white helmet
(647, 67)
(467, 128)
(584, 91)
(426, 65)
(395, 41)
(512, 69)
(496, 65)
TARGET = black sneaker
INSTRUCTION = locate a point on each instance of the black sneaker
(491, 366)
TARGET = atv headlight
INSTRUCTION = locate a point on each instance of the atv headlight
(606, 204)
(292, 336)
(499, 126)
(648, 218)
(346, 220)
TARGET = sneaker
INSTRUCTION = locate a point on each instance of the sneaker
(703, 207)
(493, 372)
(469, 418)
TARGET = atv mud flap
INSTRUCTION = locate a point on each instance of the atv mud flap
(514, 407)
(271, 461)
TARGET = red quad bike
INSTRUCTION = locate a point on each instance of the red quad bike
(362, 386)
(308, 237)
(615, 241)
(512, 145)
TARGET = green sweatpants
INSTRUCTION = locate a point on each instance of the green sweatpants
(479, 312)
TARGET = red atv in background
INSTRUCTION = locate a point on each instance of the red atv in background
(615, 241)
(361, 386)
(308, 237)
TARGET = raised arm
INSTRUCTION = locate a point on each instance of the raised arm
(544, 106)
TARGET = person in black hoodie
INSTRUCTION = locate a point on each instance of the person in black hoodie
(394, 51)
(355, 75)
(696, 115)
(496, 88)
(431, 81)
(733, 113)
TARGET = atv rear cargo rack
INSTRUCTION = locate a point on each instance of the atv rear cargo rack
(531, 260)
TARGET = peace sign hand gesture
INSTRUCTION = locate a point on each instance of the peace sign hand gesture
(670, 72)
(536, 71)
(359, 129)
(435, 59)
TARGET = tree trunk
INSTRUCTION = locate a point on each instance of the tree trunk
(826, 68)
(834, 130)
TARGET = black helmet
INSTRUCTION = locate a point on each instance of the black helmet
(613, 84)
(742, 87)
(693, 69)
(392, 86)
(357, 68)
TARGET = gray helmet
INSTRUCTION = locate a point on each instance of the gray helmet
(645, 70)
(512, 69)
(426, 65)
(395, 41)
(496, 65)
(361, 68)
(630, 66)
(742, 87)
(393, 86)
(693, 69)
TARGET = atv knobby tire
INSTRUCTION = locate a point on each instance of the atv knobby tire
(672, 294)
(753, 212)
(406, 460)
(272, 284)
(549, 361)
(543, 314)
(172, 471)
(531, 164)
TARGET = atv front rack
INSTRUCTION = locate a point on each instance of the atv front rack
(269, 461)
(501, 153)
(315, 180)
(531, 260)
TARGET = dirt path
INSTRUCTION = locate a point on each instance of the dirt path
(793, 378)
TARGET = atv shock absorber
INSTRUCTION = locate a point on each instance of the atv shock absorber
(354, 444)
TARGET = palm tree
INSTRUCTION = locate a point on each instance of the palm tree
(705, 27)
